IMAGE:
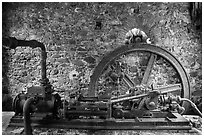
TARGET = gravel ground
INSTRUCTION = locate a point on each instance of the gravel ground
(44, 131)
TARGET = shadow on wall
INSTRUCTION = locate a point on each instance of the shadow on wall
(195, 9)
(6, 96)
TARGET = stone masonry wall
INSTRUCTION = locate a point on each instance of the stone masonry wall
(77, 35)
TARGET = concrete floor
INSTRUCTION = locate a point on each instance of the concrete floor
(6, 116)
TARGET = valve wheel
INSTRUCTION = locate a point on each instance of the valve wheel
(138, 67)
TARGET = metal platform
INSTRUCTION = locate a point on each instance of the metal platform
(177, 122)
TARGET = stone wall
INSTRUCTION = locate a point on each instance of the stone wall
(77, 35)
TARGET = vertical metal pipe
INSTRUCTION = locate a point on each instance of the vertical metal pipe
(43, 64)
(26, 115)
(12, 43)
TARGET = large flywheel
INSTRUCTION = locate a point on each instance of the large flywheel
(138, 67)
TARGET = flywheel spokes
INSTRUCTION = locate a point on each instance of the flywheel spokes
(137, 69)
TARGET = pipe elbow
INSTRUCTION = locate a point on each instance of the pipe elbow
(26, 115)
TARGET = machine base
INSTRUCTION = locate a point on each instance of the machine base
(165, 123)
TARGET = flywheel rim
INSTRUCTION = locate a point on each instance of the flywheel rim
(141, 47)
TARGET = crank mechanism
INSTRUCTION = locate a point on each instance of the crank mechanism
(136, 86)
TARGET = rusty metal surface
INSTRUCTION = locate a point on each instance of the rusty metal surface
(130, 111)
(174, 122)
(12, 43)
(185, 92)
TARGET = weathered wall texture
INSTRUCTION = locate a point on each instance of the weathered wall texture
(75, 44)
